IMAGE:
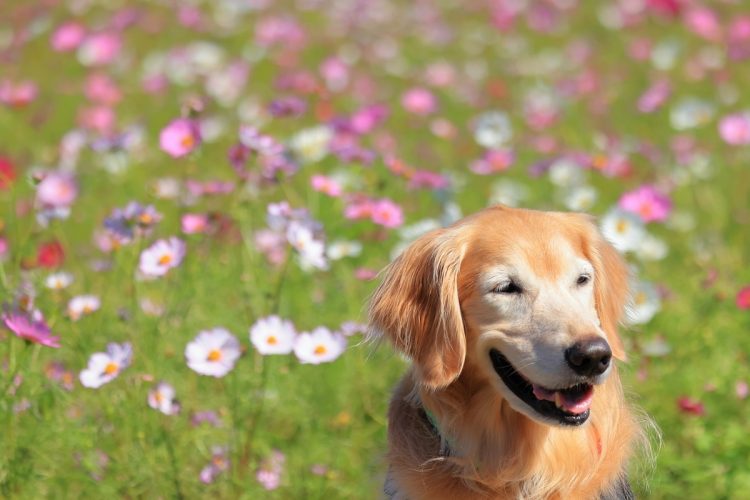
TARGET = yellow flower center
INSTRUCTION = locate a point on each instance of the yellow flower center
(87, 309)
(599, 162)
(111, 368)
(272, 340)
(320, 350)
(640, 298)
(187, 142)
(622, 226)
(646, 210)
(214, 355)
(165, 259)
(146, 219)
(158, 397)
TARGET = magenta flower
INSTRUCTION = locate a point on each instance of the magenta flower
(646, 202)
(194, 223)
(180, 137)
(326, 185)
(735, 129)
(99, 49)
(31, 327)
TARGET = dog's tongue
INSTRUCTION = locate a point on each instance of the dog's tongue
(574, 401)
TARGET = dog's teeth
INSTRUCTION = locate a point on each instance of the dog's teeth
(559, 400)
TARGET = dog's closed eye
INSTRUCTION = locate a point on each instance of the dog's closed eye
(508, 287)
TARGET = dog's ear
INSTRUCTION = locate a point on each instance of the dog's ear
(610, 289)
(416, 307)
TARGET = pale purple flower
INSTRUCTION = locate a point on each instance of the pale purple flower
(180, 137)
(319, 346)
(273, 335)
(218, 464)
(30, 326)
(162, 256)
(162, 398)
(56, 190)
(213, 352)
(104, 367)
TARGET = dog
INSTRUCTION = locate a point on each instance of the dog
(509, 318)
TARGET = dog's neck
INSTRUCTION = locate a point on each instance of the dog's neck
(497, 448)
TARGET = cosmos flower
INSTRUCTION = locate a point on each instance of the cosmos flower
(272, 335)
(419, 101)
(646, 202)
(57, 189)
(162, 398)
(387, 213)
(735, 129)
(29, 326)
(580, 198)
(162, 256)
(104, 367)
(493, 129)
(180, 137)
(645, 303)
(269, 473)
(340, 248)
(68, 36)
(82, 305)
(58, 281)
(743, 298)
(319, 346)
(623, 229)
(311, 145)
(213, 352)
(194, 223)
(218, 464)
(325, 185)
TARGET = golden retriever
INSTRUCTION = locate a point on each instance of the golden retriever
(510, 320)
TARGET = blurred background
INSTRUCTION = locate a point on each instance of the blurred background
(196, 196)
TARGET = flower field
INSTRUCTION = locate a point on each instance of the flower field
(196, 198)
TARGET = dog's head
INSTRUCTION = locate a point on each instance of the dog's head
(530, 300)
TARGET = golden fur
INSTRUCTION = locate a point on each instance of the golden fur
(424, 307)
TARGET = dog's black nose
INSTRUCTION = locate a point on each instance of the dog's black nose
(589, 357)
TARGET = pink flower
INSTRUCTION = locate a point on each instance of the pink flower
(646, 202)
(493, 161)
(179, 137)
(735, 129)
(743, 298)
(387, 213)
(365, 274)
(57, 190)
(654, 97)
(691, 406)
(269, 474)
(741, 389)
(97, 118)
(102, 89)
(704, 23)
(17, 95)
(162, 256)
(99, 49)
(359, 209)
(31, 327)
(326, 185)
(194, 223)
(419, 101)
(68, 36)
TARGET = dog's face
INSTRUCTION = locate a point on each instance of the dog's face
(528, 299)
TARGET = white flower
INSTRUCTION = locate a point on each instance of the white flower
(213, 352)
(311, 145)
(651, 248)
(644, 304)
(162, 256)
(311, 250)
(690, 113)
(656, 347)
(341, 248)
(319, 346)
(162, 398)
(272, 335)
(623, 229)
(82, 304)
(565, 173)
(508, 193)
(581, 198)
(104, 367)
(493, 129)
(58, 281)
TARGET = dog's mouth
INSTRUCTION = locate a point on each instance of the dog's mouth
(568, 406)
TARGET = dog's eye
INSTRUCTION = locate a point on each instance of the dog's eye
(509, 287)
(583, 279)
